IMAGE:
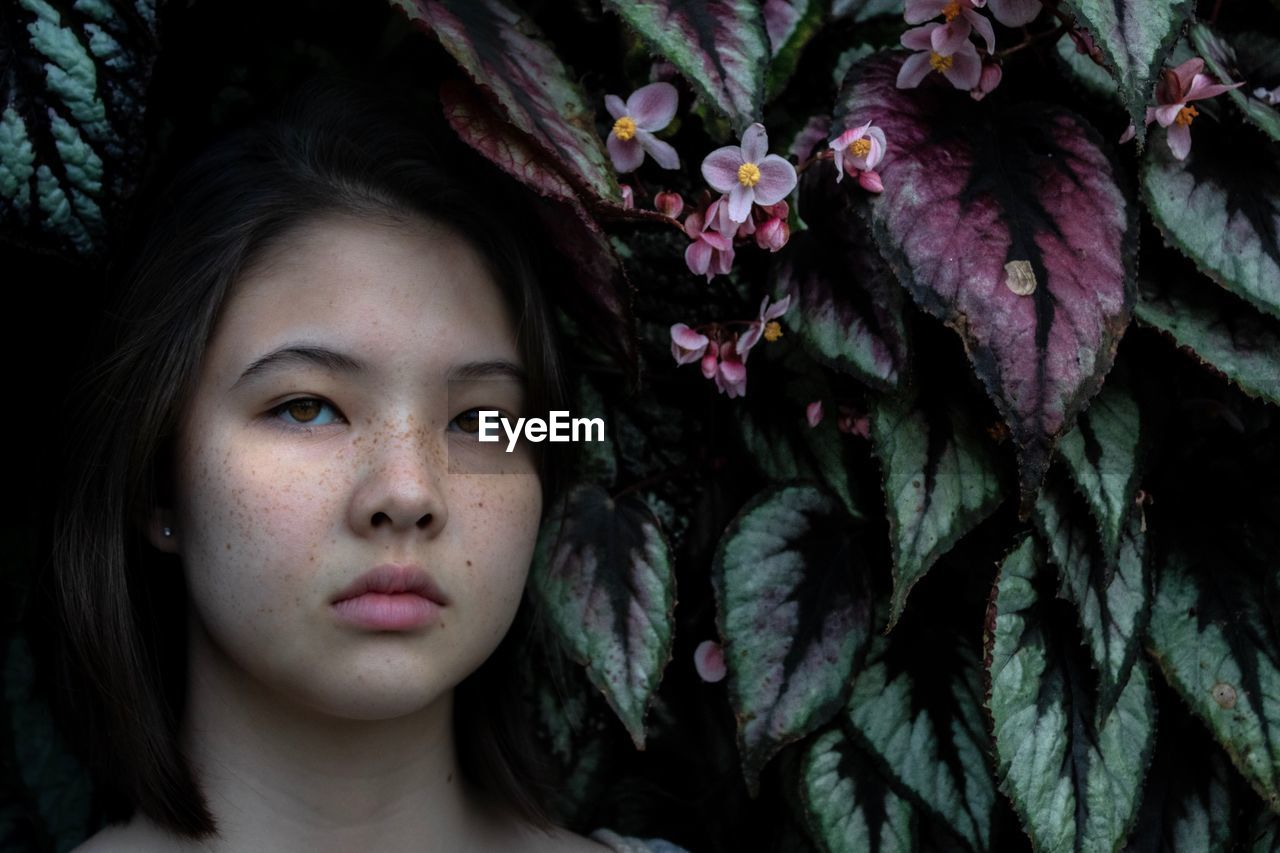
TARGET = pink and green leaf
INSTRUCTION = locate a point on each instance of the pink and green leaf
(1009, 225)
(603, 571)
(1135, 37)
(504, 52)
(720, 46)
(793, 614)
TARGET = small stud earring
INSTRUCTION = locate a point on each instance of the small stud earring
(168, 531)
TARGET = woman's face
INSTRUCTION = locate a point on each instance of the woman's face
(295, 478)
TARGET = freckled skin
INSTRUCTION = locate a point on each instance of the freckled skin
(271, 522)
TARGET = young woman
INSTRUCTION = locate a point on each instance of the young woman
(288, 578)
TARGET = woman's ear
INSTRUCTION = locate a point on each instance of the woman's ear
(160, 531)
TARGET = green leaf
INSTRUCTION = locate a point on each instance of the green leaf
(719, 45)
(864, 10)
(794, 614)
(1257, 60)
(846, 806)
(1074, 775)
(792, 450)
(789, 25)
(1221, 207)
(941, 479)
(1089, 75)
(1102, 453)
(504, 52)
(603, 571)
(1221, 331)
(1213, 632)
(1112, 599)
(71, 119)
(1134, 36)
(917, 707)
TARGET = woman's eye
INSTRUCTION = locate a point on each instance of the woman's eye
(304, 411)
(468, 421)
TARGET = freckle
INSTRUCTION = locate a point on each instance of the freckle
(228, 546)
(468, 562)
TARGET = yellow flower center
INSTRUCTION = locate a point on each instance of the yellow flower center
(1185, 115)
(624, 128)
(861, 147)
(939, 62)
(951, 10)
(748, 174)
(772, 331)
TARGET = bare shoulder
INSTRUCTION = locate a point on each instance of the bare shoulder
(132, 837)
(565, 841)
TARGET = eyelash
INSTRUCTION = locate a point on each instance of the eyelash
(276, 411)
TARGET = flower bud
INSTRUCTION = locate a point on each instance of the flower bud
(669, 204)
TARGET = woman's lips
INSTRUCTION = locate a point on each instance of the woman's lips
(378, 611)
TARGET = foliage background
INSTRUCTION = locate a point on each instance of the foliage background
(695, 465)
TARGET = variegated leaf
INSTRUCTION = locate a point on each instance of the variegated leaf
(719, 45)
(71, 121)
(1102, 453)
(917, 707)
(789, 24)
(847, 307)
(1074, 775)
(1221, 331)
(845, 803)
(941, 479)
(1089, 75)
(1214, 633)
(794, 614)
(1112, 599)
(1134, 36)
(1253, 57)
(1008, 224)
(603, 571)
(797, 451)
(1221, 207)
(503, 51)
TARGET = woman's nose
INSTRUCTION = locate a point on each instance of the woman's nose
(403, 485)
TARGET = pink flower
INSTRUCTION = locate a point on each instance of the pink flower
(1015, 13)
(710, 253)
(648, 110)
(762, 325)
(870, 181)
(988, 81)
(748, 174)
(960, 65)
(961, 19)
(628, 196)
(669, 204)
(1178, 86)
(731, 372)
(858, 149)
(813, 413)
(687, 345)
(772, 232)
(708, 660)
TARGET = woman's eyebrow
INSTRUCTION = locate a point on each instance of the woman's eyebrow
(300, 354)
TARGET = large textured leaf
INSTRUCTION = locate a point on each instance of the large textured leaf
(1089, 75)
(54, 779)
(789, 24)
(1134, 36)
(719, 45)
(1074, 775)
(1252, 57)
(793, 613)
(603, 571)
(505, 53)
(1214, 633)
(1112, 599)
(795, 451)
(941, 479)
(1009, 225)
(1187, 803)
(846, 805)
(1221, 207)
(847, 306)
(917, 707)
(1221, 331)
(72, 103)
(1102, 453)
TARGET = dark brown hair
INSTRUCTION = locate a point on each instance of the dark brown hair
(119, 655)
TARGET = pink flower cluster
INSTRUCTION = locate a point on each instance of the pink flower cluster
(722, 355)
(1175, 89)
(860, 150)
(945, 46)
